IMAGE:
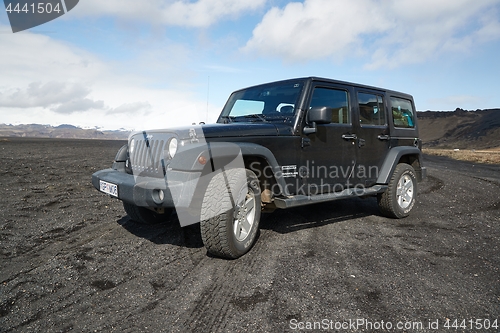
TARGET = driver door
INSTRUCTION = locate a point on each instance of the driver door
(329, 155)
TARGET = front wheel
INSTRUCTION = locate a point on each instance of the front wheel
(231, 211)
(399, 198)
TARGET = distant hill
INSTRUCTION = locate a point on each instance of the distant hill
(461, 129)
(67, 126)
(62, 131)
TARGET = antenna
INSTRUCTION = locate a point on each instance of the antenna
(208, 94)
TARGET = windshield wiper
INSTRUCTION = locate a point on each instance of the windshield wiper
(256, 115)
(227, 119)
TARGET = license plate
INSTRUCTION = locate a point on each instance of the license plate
(109, 188)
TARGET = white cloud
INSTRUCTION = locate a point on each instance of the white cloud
(50, 82)
(78, 105)
(201, 13)
(61, 97)
(132, 108)
(390, 33)
(25, 54)
(315, 29)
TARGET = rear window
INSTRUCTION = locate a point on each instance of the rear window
(371, 110)
(403, 114)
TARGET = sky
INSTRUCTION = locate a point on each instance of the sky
(137, 65)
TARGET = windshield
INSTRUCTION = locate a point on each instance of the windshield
(274, 102)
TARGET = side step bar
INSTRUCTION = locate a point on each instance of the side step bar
(302, 200)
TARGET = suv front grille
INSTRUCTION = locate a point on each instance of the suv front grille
(147, 158)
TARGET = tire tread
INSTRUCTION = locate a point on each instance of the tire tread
(386, 202)
(217, 207)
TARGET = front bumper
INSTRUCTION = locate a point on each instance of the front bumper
(178, 187)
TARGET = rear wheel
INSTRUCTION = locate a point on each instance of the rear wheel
(231, 211)
(146, 216)
(399, 198)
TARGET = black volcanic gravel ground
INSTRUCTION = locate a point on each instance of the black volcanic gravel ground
(72, 261)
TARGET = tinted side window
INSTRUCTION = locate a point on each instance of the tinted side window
(336, 99)
(371, 109)
(402, 113)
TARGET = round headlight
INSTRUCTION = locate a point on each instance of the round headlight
(132, 146)
(172, 147)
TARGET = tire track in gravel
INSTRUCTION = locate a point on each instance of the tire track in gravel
(92, 269)
(217, 292)
(212, 298)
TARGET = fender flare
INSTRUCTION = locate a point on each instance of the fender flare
(226, 152)
(392, 159)
(252, 149)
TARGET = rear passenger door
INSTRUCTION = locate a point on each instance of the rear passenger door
(372, 135)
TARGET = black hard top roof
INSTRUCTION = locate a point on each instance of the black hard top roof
(326, 80)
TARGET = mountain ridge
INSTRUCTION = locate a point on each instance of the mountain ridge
(459, 129)
(64, 131)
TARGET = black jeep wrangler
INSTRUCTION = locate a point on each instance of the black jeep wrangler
(277, 145)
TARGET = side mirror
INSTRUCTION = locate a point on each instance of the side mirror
(318, 115)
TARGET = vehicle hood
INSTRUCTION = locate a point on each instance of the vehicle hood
(245, 129)
(223, 130)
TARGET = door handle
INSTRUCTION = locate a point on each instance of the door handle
(349, 136)
(384, 137)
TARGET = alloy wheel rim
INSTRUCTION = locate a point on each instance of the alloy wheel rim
(244, 214)
(405, 192)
